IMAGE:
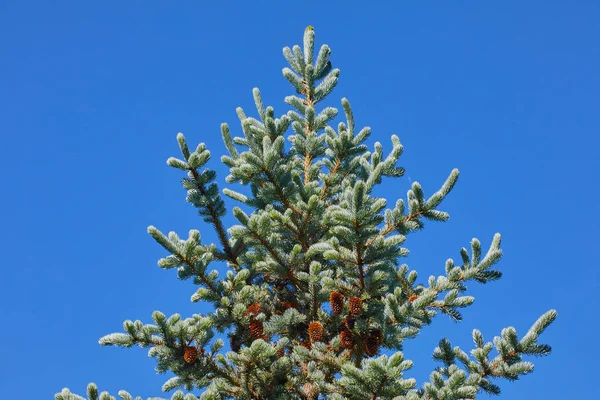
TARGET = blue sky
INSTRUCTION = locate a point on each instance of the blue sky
(94, 94)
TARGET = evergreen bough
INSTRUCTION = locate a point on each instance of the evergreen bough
(314, 292)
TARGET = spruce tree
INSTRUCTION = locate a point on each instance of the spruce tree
(315, 302)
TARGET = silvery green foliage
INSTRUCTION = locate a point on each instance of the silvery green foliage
(92, 394)
(308, 224)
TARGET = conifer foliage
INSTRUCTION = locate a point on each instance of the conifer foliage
(315, 302)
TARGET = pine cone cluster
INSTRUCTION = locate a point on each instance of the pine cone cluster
(355, 306)
(336, 301)
(315, 331)
(190, 354)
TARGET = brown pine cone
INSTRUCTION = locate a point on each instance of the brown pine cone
(347, 339)
(235, 343)
(306, 344)
(336, 301)
(355, 306)
(311, 391)
(349, 321)
(280, 352)
(190, 354)
(315, 331)
(379, 336)
(253, 309)
(371, 343)
(412, 298)
(257, 329)
(286, 304)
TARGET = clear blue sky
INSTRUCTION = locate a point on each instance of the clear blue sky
(93, 94)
